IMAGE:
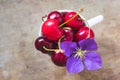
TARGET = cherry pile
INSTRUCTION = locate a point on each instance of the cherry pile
(59, 27)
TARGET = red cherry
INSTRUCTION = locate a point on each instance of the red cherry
(59, 58)
(67, 31)
(75, 23)
(55, 15)
(83, 33)
(41, 42)
(50, 29)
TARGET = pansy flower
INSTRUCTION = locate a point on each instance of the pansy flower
(81, 55)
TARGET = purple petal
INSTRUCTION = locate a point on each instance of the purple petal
(92, 61)
(68, 47)
(88, 44)
(74, 65)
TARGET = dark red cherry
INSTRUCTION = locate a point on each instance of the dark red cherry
(55, 45)
(63, 14)
(50, 29)
(75, 23)
(41, 42)
(83, 33)
(67, 31)
(59, 58)
(55, 15)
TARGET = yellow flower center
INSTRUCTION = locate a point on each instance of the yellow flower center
(79, 53)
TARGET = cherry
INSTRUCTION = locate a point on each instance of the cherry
(55, 15)
(76, 22)
(83, 33)
(41, 42)
(57, 55)
(67, 31)
(55, 45)
(63, 14)
(59, 58)
(50, 29)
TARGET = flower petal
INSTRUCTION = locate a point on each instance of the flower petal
(92, 61)
(68, 47)
(88, 44)
(74, 65)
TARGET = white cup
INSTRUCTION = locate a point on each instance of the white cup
(91, 22)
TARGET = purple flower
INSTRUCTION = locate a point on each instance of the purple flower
(81, 54)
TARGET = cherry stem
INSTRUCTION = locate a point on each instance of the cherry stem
(79, 19)
(55, 49)
(88, 36)
(43, 17)
(49, 49)
(81, 10)
(59, 42)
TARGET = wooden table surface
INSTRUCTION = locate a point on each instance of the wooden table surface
(19, 26)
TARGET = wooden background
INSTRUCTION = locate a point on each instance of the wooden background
(19, 26)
